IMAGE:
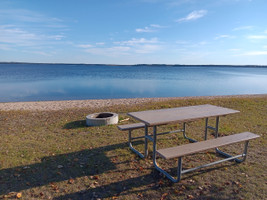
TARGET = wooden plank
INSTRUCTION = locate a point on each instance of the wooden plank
(131, 126)
(191, 148)
(180, 114)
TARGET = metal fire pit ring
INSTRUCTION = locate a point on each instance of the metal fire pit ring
(101, 119)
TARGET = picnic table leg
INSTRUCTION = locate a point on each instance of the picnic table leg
(215, 129)
(154, 142)
(185, 136)
(226, 154)
(146, 147)
(131, 146)
(179, 170)
(206, 128)
(244, 155)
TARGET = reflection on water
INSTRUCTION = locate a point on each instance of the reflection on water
(30, 82)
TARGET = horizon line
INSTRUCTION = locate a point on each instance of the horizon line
(58, 63)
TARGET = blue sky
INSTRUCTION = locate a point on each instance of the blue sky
(134, 31)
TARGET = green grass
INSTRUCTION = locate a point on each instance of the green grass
(53, 155)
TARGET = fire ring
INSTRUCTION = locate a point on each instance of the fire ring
(101, 119)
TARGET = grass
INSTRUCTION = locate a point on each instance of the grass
(53, 155)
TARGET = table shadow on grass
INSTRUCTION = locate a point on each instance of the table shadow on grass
(152, 181)
(57, 168)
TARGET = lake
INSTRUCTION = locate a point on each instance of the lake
(39, 82)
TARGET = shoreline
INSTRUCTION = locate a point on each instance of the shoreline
(98, 103)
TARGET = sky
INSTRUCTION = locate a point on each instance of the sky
(223, 32)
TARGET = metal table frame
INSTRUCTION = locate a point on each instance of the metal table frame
(180, 171)
(150, 137)
(153, 138)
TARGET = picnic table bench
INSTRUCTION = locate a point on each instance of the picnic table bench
(191, 148)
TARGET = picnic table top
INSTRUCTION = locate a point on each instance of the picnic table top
(180, 114)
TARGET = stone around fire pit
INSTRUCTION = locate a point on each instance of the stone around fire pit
(100, 119)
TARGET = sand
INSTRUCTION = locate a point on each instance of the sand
(60, 105)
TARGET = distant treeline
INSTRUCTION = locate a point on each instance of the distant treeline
(154, 65)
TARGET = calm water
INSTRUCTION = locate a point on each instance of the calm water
(33, 82)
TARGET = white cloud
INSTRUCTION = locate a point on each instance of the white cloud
(30, 30)
(234, 50)
(157, 26)
(120, 48)
(42, 53)
(203, 43)
(191, 44)
(144, 30)
(182, 42)
(255, 53)
(147, 48)
(193, 16)
(85, 46)
(135, 41)
(223, 36)
(56, 37)
(10, 34)
(27, 16)
(150, 28)
(259, 37)
(100, 43)
(141, 45)
(109, 51)
(5, 47)
(243, 28)
(129, 47)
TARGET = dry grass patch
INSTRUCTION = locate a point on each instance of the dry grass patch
(53, 155)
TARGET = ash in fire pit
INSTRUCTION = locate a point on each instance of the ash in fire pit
(104, 115)
(100, 119)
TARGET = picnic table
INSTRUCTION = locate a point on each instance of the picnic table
(155, 118)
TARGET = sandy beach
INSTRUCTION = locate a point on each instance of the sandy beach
(60, 105)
